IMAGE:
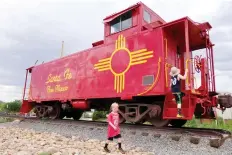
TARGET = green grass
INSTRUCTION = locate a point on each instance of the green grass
(4, 120)
(215, 124)
(2, 107)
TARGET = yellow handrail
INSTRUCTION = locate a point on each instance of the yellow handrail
(156, 79)
(167, 65)
(186, 67)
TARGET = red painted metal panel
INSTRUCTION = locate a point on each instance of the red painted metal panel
(113, 70)
(80, 105)
(187, 107)
(26, 107)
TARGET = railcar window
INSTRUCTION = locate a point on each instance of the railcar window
(121, 23)
(115, 25)
(146, 16)
(126, 20)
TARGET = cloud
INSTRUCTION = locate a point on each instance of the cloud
(34, 30)
(10, 93)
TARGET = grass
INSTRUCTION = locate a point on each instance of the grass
(4, 119)
(214, 124)
(2, 106)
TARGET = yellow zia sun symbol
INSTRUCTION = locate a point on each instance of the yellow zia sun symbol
(135, 58)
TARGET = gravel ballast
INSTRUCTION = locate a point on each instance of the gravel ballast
(132, 142)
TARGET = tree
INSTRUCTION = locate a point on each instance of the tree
(13, 106)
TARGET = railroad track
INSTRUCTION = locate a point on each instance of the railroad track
(216, 137)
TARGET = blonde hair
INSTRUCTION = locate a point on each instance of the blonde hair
(113, 104)
(174, 71)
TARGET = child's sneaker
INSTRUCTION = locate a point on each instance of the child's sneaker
(106, 149)
(121, 150)
(179, 116)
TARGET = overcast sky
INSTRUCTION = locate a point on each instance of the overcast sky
(34, 30)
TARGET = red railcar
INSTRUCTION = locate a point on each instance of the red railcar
(131, 66)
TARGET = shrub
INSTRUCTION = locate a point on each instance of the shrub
(99, 115)
(13, 106)
(2, 106)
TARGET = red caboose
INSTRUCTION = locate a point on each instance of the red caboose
(130, 66)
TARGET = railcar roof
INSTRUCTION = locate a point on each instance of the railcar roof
(115, 15)
(195, 29)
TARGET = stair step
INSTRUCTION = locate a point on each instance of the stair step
(171, 113)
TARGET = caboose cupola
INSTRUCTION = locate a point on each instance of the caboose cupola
(130, 21)
(124, 22)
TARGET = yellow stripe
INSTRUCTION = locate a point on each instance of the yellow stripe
(139, 51)
(102, 63)
(115, 82)
(142, 54)
(139, 62)
(104, 69)
(121, 40)
(116, 44)
(103, 60)
(166, 74)
(123, 82)
(118, 84)
(124, 42)
(141, 58)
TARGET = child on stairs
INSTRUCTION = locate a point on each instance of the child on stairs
(176, 78)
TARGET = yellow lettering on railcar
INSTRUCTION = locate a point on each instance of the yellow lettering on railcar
(59, 88)
(56, 89)
(49, 89)
(58, 78)
(67, 74)
(52, 79)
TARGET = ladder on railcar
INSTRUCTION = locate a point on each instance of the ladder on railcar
(210, 64)
(26, 90)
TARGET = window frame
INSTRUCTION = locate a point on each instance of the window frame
(144, 12)
(121, 21)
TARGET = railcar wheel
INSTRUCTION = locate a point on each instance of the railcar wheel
(39, 111)
(76, 114)
(155, 117)
(177, 123)
(55, 113)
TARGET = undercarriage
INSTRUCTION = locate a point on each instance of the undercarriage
(57, 111)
